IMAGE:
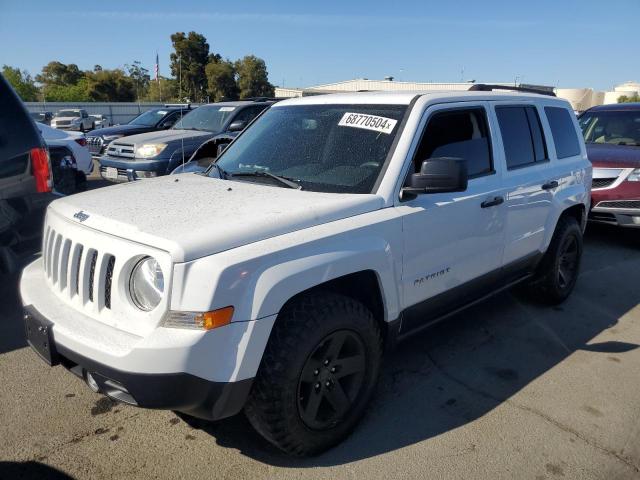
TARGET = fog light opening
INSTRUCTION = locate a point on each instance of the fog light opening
(91, 382)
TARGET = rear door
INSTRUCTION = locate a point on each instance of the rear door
(528, 179)
(453, 242)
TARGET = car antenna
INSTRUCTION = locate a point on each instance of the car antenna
(181, 113)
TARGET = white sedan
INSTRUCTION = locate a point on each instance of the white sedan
(74, 141)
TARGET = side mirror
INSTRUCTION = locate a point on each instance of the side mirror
(221, 148)
(167, 125)
(438, 175)
(237, 126)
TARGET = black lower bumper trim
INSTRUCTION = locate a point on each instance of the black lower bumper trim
(168, 391)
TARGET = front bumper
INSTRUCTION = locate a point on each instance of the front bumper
(132, 169)
(171, 391)
(201, 373)
(616, 213)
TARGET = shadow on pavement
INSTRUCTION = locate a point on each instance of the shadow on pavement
(30, 470)
(459, 370)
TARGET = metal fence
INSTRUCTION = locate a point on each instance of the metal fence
(116, 112)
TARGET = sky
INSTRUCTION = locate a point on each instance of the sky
(564, 43)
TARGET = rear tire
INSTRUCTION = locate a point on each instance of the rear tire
(317, 375)
(558, 271)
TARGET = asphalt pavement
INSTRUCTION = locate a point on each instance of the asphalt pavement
(507, 389)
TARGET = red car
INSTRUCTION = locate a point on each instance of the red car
(612, 135)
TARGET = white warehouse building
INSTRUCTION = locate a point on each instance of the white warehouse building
(580, 98)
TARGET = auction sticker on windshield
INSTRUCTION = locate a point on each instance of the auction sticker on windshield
(226, 109)
(368, 122)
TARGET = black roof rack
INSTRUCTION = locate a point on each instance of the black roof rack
(483, 87)
(259, 99)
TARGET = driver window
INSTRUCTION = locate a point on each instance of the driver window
(171, 119)
(460, 133)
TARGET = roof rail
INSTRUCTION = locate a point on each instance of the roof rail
(259, 99)
(483, 87)
(177, 105)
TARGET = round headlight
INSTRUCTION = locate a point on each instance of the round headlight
(146, 284)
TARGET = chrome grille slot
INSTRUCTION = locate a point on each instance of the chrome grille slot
(49, 255)
(92, 271)
(108, 279)
(64, 264)
(45, 243)
(74, 270)
(56, 257)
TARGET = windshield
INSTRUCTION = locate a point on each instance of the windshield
(611, 127)
(323, 148)
(68, 113)
(208, 118)
(149, 118)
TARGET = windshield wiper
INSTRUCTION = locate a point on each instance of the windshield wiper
(260, 173)
(221, 171)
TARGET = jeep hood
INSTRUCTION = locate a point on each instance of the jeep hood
(192, 216)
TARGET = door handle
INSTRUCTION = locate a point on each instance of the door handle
(550, 185)
(493, 202)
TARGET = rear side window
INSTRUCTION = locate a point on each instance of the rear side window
(460, 133)
(249, 113)
(522, 136)
(563, 132)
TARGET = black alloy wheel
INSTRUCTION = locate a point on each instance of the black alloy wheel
(331, 379)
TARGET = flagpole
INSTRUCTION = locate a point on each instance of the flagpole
(158, 76)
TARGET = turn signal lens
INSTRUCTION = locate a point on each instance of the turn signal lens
(198, 320)
(217, 318)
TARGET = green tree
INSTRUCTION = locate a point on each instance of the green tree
(67, 93)
(56, 73)
(632, 99)
(188, 64)
(140, 77)
(163, 90)
(253, 79)
(110, 86)
(22, 83)
(221, 81)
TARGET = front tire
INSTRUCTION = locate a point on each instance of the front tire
(317, 374)
(558, 271)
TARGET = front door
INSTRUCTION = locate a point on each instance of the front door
(453, 242)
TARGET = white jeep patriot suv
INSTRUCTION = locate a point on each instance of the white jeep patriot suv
(331, 228)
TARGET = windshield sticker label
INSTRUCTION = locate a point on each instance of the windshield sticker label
(368, 122)
(226, 109)
(162, 112)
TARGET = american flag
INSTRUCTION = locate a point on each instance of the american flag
(157, 69)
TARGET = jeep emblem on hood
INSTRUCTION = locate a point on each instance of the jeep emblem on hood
(81, 216)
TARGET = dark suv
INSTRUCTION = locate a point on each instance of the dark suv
(158, 153)
(612, 136)
(25, 178)
(149, 121)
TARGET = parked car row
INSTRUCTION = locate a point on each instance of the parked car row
(70, 159)
(171, 138)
